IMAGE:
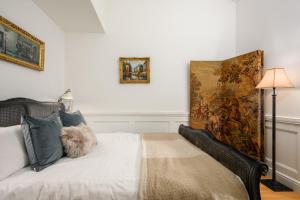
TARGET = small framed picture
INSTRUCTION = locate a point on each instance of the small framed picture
(134, 70)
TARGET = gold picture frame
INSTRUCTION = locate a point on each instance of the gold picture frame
(134, 70)
(20, 47)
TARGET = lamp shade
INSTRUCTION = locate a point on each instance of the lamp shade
(275, 78)
(67, 95)
(67, 100)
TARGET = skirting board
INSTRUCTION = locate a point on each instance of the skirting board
(287, 150)
(286, 180)
(288, 134)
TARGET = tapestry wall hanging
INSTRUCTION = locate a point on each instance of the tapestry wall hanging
(225, 102)
(20, 47)
(134, 70)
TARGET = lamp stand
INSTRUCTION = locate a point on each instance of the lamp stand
(272, 183)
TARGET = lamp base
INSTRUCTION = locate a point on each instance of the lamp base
(275, 186)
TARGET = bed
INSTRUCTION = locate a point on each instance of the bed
(190, 164)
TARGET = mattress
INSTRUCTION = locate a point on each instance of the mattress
(110, 171)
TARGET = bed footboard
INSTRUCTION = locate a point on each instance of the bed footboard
(248, 169)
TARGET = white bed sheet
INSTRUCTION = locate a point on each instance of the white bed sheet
(110, 171)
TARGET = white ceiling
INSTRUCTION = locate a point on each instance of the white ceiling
(72, 15)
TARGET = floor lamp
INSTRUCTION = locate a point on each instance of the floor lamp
(274, 78)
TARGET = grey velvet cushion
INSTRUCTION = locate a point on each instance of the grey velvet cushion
(71, 119)
(42, 140)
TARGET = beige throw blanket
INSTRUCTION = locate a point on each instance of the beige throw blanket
(174, 169)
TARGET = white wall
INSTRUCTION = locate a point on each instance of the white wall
(273, 26)
(171, 32)
(18, 81)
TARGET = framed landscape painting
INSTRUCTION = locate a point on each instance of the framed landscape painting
(20, 47)
(134, 70)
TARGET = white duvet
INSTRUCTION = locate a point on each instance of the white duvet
(110, 171)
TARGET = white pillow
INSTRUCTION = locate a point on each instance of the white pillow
(13, 155)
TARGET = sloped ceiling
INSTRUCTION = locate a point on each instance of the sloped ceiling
(73, 15)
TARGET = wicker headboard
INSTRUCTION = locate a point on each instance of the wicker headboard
(11, 110)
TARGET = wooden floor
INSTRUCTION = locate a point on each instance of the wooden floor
(268, 194)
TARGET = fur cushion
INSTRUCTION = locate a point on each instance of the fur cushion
(78, 140)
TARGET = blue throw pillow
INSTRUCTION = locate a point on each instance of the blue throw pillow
(71, 119)
(42, 140)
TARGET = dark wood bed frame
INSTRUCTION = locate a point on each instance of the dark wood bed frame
(248, 169)
(245, 167)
